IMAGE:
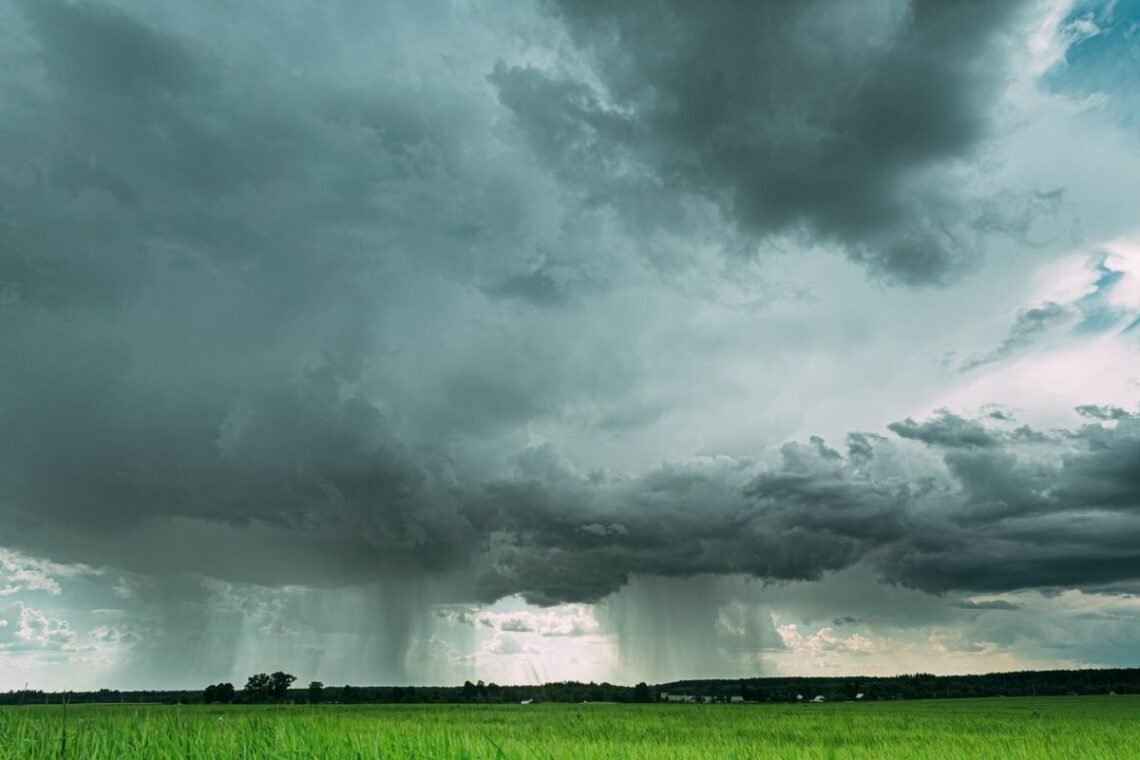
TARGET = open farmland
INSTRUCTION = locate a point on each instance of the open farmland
(1058, 727)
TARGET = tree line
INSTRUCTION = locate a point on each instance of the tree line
(918, 686)
(277, 687)
(262, 688)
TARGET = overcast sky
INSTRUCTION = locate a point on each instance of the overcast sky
(415, 342)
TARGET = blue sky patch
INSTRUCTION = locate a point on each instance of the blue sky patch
(1103, 55)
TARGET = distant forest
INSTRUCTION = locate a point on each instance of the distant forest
(277, 688)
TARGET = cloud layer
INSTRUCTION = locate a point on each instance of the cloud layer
(465, 303)
(241, 294)
(857, 124)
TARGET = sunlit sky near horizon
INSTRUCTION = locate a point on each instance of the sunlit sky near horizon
(421, 342)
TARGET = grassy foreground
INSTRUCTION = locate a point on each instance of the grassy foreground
(1057, 727)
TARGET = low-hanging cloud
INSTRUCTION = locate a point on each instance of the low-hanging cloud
(985, 513)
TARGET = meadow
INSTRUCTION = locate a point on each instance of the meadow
(1047, 727)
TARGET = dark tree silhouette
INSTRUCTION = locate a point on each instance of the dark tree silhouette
(279, 684)
(641, 692)
(258, 688)
(777, 689)
(219, 693)
(316, 691)
(262, 687)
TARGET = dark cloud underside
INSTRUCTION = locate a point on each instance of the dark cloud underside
(842, 120)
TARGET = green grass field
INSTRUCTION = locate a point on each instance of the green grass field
(1069, 727)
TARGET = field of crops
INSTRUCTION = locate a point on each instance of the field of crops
(1058, 727)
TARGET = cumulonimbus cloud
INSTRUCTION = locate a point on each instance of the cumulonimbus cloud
(273, 326)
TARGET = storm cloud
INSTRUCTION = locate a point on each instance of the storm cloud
(210, 355)
(846, 122)
(344, 312)
(998, 517)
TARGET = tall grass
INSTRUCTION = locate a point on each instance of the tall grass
(1084, 727)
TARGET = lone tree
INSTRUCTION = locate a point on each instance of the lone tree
(641, 693)
(316, 691)
(264, 688)
(280, 683)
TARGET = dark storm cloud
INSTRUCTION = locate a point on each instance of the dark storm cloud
(338, 498)
(199, 246)
(1022, 523)
(704, 518)
(838, 119)
(999, 518)
(274, 324)
(100, 50)
(238, 291)
(148, 161)
(306, 470)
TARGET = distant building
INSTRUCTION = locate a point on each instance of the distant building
(686, 698)
(735, 699)
(526, 702)
(819, 698)
(859, 696)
